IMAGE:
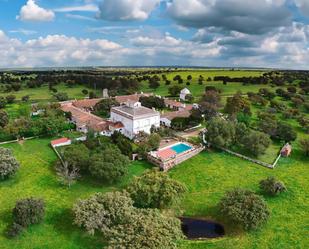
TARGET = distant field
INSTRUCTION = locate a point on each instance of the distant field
(198, 90)
(43, 93)
(36, 177)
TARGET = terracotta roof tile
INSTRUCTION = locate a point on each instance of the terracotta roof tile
(166, 153)
(60, 141)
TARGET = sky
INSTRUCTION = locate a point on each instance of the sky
(210, 33)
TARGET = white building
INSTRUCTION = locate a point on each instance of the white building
(184, 92)
(135, 118)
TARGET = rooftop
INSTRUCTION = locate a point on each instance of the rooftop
(135, 112)
(86, 103)
(172, 115)
(133, 97)
(60, 141)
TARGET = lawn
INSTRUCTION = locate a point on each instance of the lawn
(207, 177)
(43, 93)
(37, 178)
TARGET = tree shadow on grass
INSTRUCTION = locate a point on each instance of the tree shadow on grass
(6, 217)
(63, 223)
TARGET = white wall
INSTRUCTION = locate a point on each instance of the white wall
(133, 127)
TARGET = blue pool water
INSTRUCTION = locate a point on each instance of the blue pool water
(180, 148)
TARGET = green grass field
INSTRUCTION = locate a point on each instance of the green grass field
(209, 175)
(36, 177)
(43, 93)
(198, 90)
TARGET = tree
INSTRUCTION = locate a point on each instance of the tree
(29, 211)
(10, 99)
(286, 132)
(68, 174)
(244, 208)
(271, 186)
(61, 96)
(210, 104)
(267, 123)
(124, 226)
(4, 119)
(8, 163)
(92, 95)
(25, 98)
(110, 165)
(101, 212)
(85, 91)
(152, 102)
(237, 104)
(104, 106)
(220, 133)
(155, 189)
(145, 230)
(304, 144)
(2, 102)
(256, 142)
(189, 98)
(174, 90)
(154, 83)
(153, 141)
(77, 155)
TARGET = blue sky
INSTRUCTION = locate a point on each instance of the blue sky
(260, 33)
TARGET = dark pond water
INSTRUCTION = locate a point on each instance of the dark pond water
(199, 229)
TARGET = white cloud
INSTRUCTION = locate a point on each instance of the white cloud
(286, 47)
(303, 5)
(32, 12)
(251, 17)
(80, 8)
(57, 50)
(126, 10)
(23, 31)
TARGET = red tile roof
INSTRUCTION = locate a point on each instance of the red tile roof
(86, 103)
(60, 141)
(166, 153)
(117, 125)
(133, 97)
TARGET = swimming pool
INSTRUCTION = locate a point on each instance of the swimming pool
(180, 148)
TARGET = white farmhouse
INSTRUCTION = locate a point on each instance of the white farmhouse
(135, 118)
(184, 92)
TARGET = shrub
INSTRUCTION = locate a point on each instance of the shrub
(244, 208)
(271, 186)
(8, 163)
(304, 144)
(61, 96)
(25, 98)
(4, 118)
(14, 230)
(10, 99)
(29, 211)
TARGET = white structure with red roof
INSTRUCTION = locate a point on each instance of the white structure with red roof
(183, 94)
(61, 142)
(135, 118)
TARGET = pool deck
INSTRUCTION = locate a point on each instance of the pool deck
(166, 158)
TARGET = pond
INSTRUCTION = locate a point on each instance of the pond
(199, 228)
